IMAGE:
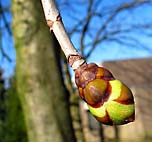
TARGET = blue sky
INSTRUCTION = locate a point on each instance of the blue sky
(7, 43)
(110, 50)
(104, 52)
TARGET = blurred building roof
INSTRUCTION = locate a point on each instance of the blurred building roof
(135, 72)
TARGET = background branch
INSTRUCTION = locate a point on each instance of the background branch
(102, 22)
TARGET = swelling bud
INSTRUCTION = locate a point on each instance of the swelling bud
(109, 100)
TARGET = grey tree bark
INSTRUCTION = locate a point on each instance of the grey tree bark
(40, 86)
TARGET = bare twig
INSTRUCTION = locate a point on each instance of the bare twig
(2, 10)
(5, 20)
(85, 28)
(54, 21)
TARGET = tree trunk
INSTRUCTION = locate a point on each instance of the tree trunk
(39, 79)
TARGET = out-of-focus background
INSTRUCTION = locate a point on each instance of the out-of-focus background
(39, 101)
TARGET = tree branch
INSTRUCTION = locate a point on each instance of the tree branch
(53, 19)
(5, 55)
(4, 19)
(108, 25)
(8, 29)
(85, 27)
